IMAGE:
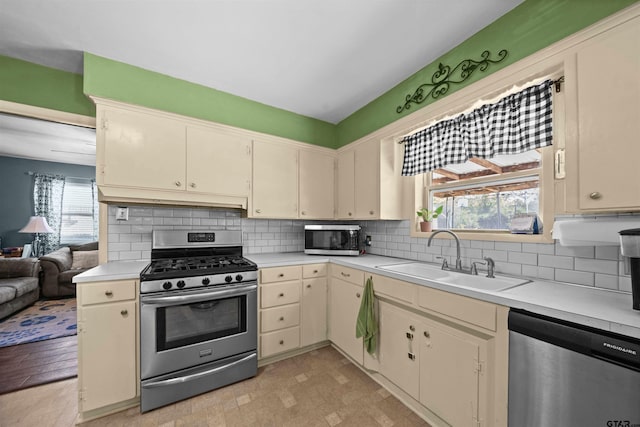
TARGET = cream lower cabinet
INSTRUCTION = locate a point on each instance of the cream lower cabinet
(445, 351)
(345, 296)
(293, 310)
(107, 347)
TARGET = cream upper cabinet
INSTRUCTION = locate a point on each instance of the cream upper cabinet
(346, 185)
(366, 180)
(137, 149)
(369, 182)
(107, 346)
(603, 150)
(275, 181)
(217, 162)
(316, 173)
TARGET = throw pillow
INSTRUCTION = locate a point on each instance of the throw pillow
(84, 259)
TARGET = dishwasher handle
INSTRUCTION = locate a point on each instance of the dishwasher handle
(605, 345)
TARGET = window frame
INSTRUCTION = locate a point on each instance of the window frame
(89, 183)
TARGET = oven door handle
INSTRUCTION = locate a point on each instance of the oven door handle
(169, 300)
(192, 377)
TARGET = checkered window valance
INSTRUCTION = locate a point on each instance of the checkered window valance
(517, 123)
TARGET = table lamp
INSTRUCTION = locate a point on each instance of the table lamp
(36, 225)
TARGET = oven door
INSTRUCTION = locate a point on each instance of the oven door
(183, 329)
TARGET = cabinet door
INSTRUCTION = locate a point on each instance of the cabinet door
(449, 384)
(316, 173)
(218, 163)
(142, 150)
(314, 311)
(107, 354)
(346, 182)
(609, 119)
(275, 181)
(399, 348)
(367, 168)
(344, 306)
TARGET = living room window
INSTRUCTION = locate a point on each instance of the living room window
(79, 222)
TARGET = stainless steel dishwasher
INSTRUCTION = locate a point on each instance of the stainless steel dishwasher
(564, 374)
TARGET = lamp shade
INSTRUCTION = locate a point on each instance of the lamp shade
(36, 224)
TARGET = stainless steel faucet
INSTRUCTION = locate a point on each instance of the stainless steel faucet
(490, 266)
(458, 260)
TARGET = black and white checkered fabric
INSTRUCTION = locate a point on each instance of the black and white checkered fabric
(517, 123)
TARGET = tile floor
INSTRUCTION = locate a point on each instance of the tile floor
(319, 388)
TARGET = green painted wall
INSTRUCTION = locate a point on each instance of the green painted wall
(533, 25)
(27, 83)
(115, 80)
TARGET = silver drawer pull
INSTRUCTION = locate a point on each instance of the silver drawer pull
(281, 342)
(315, 271)
(281, 319)
(108, 293)
(124, 312)
(178, 184)
(358, 295)
(308, 286)
(370, 212)
(280, 295)
(192, 185)
(345, 274)
(595, 195)
(350, 214)
(281, 275)
(258, 211)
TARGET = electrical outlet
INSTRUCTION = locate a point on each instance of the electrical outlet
(367, 241)
(122, 213)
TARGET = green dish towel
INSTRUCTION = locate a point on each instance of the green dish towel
(367, 325)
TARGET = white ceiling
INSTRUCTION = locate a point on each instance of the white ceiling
(320, 58)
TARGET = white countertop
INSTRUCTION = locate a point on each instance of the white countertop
(115, 270)
(599, 308)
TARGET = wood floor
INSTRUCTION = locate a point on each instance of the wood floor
(27, 365)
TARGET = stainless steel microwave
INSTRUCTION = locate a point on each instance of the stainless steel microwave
(332, 239)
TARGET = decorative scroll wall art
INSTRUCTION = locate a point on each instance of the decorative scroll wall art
(445, 76)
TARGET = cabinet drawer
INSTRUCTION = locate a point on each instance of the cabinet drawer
(314, 270)
(279, 341)
(101, 292)
(479, 313)
(280, 274)
(286, 316)
(348, 274)
(279, 294)
(394, 289)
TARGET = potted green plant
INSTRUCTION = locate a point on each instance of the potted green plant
(428, 216)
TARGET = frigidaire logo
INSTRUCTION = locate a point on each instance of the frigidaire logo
(622, 349)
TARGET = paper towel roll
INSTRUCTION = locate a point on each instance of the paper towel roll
(592, 231)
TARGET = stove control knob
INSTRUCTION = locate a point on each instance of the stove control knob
(206, 281)
(228, 279)
(166, 285)
(180, 284)
(239, 278)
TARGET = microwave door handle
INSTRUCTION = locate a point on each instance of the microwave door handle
(177, 380)
(166, 301)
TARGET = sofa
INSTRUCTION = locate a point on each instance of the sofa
(59, 267)
(18, 284)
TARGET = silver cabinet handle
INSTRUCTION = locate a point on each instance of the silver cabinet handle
(370, 212)
(124, 312)
(108, 293)
(345, 274)
(412, 328)
(281, 342)
(358, 295)
(350, 214)
(281, 319)
(281, 275)
(192, 185)
(308, 286)
(303, 213)
(411, 356)
(178, 183)
(595, 195)
(258, 211)
(281, 295)
(315, 271)
(426, 334)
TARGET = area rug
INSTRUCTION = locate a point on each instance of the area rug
(44, 320)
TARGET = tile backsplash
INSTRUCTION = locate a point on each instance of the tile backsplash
(599, 266)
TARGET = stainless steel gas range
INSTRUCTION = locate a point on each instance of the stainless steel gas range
(198, 315)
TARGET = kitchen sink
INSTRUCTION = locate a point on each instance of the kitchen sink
(434, 273)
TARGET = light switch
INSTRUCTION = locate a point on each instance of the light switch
(122, 213)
